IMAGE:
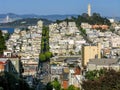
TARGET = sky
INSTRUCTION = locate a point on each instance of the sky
(48, 7)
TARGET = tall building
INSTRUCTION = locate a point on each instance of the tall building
(90, 52)
(89, 10)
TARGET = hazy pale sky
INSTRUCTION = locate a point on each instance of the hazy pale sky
(47, 7)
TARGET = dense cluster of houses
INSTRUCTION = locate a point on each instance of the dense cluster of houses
(72, 52)
(67, 70)
(110, 42)
(102, 52)
(27, 45)
(65, 39)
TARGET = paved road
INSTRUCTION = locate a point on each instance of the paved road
(44, 76)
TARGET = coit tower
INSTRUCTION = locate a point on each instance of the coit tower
(89, 10)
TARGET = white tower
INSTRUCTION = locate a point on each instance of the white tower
(7, 19)
(89, 10)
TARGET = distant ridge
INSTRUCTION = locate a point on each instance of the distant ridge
(23, 23)
(53, 17)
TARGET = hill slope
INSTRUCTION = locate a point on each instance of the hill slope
(25, 22)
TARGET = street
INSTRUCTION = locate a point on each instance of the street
(44, 76)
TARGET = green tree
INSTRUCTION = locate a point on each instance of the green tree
(6, 36)
(83, 31)
(94, 19)
(91, 75)
(56, 84)
(95, 74)
(2, 43)
(71, 87)
(42, 47)
(48, 55)
(42, 57)
(45, 40)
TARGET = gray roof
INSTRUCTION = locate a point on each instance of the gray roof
(103, 61)
(67, 59)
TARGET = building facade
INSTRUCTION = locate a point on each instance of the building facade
(90, 52)
(11, 63)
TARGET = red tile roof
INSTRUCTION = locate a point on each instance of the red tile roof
(65, 84)
(2, 62)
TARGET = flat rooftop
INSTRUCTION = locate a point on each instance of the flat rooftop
(104, 61)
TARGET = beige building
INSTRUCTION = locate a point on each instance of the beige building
(90, 52)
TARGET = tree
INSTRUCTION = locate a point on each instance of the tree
(71, 87)
(83, 31)
(42, 57)
(85, 15)
(56, 84)
(2, 43)
(49, 86)
(91, 75)
(1, 88)
(95, 74)
(94, 19)
(45, 39)
(96, 15)
(10, 82)
(48, 55)
(71, 53)
(110, 80)
(6, 36)
(42, 46)
(23, 85)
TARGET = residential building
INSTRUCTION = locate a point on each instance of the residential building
(103, 27)
(2, 66)
(90, 52)
(86, 26)
(62, 74)
(97, 64)
(11, 63)
(115, 41)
